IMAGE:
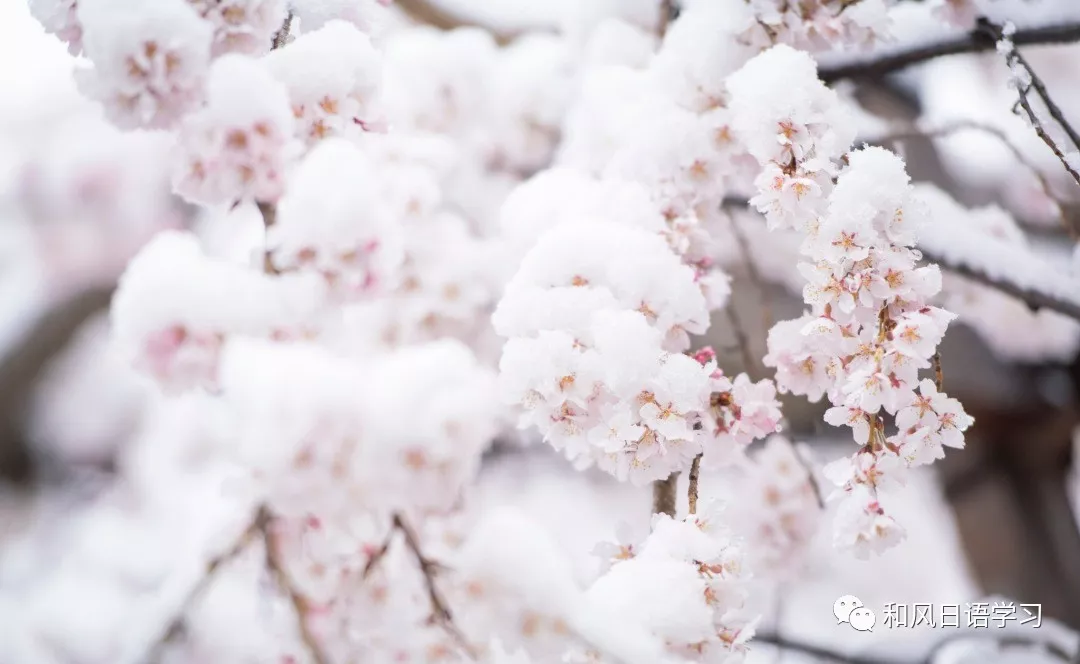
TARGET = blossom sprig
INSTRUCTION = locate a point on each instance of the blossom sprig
(870, 328)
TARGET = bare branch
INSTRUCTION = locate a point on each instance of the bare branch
(263, 522)
(692, 492)
(976, 41)
(1014, 59)
(440, 608)
(430, 13)
(281, 37)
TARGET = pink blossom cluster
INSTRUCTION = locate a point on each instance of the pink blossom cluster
(870, 328)
(597, 318)
(819, 25)
(150, 61)
(175, 309)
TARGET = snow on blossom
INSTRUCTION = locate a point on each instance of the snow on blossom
(175, 308)
(333, 222)
(685, 586)
(149, 59)
(700, 51)
(242, 26)
(60, 18)
(236, 148)
(334, 77)
(440, 81)
(533, 80)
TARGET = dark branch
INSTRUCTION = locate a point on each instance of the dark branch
(976, 41)
(664, 492)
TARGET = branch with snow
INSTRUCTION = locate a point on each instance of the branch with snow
(892, 60)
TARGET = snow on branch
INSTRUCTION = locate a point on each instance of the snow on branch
(975, 41)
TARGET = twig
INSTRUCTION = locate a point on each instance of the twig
(281, 37)
(664, 492)
(975, 41)
(1012, 59)
(284, 582)
(939, 376)
(440, 608)
(176, 625)
(1034, 299)
(668, 11)
(269, 215)
(692, 492)
(430, 13)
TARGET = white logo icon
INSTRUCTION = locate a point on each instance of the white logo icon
(849, 609)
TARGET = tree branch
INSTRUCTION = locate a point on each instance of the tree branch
(440, 608)
(263, 523)
(664, 492)
(692, 491)
(430, 13)
(976, 41)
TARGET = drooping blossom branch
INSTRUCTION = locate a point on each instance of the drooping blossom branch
(975, 41)
(870, 328)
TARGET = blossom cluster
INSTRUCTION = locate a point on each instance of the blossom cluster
(819, 25)
(870, 328)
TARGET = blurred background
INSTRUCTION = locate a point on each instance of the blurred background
(78, 199)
